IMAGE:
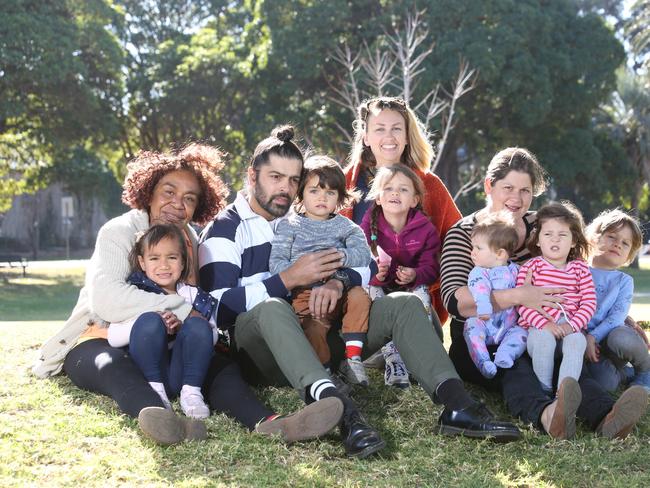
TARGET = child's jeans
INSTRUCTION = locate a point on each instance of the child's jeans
(622, 345)
(190, 354)
(541, 348)
(352, 310)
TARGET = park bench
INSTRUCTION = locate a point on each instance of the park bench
(14, 261)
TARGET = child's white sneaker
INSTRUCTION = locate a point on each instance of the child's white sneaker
(192, 402)
(396, 373)
(160, 389)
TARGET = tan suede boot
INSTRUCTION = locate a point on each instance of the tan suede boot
(559, 418)
(625, 413)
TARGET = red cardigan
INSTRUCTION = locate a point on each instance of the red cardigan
(439, 207)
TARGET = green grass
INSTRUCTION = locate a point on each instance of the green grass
(52, 433)
(44, 294)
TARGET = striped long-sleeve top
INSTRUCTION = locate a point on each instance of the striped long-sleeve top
(579, 296)
(456, 261)
(234, 262)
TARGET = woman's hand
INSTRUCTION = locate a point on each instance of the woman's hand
(383, 271)
(405, 275)
(566, 329)
(322, 299)
(536, 297)
(592, 353)
(172, 323)
(554, 329)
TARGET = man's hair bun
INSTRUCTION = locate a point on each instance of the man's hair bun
(283, 132)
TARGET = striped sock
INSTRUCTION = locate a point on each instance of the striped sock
(317, 388)
(353, 348)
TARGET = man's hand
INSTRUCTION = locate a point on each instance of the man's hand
(405, 275)
(172, 323)
(311, 268)
(592, 353)
(322, 299)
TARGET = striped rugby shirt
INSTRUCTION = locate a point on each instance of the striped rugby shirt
(579, 296)
(234, 261)
(456, 261)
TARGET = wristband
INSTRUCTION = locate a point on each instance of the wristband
(343, 277)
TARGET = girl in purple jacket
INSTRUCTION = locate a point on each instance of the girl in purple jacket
(405, 245)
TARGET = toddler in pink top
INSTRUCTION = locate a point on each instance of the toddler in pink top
(559, 241)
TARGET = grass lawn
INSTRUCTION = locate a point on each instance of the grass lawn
(53, 434)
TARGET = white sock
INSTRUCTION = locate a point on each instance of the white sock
(160, 389)
(317, 387)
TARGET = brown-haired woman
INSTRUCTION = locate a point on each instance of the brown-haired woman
(172, 188)
(514, 177)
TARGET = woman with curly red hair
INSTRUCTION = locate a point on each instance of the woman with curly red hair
(161, 188)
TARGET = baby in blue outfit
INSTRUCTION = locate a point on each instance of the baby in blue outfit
(494, 240)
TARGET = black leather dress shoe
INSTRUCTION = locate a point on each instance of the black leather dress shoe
(359, 439)
(476, 421)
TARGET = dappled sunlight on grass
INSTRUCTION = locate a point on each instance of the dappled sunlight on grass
(29, 281)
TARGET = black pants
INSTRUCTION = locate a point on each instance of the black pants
(520, 388)
(95, 366)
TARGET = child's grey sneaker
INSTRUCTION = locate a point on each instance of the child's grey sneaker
(354, 372)
(395, 373)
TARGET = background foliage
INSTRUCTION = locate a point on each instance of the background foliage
(85, 84)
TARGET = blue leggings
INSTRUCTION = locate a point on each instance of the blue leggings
(190, 355)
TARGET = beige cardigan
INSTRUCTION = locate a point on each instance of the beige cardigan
(106, 294)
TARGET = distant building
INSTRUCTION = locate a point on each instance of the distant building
(39, 218)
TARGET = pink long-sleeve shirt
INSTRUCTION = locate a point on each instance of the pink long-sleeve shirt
(579, 296)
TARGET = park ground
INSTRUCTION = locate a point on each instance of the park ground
(52, 433)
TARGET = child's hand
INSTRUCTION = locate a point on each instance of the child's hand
(383, 271)
(405, 275)
(592, 353)
(172, 323)
(566, 329)
(484, 317)
(554, 329)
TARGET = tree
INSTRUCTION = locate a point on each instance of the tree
(60, 84)
(626, 118)
(637, 32)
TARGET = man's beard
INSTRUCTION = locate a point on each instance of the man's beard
(275, 209)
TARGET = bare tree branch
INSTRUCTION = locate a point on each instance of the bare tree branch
(404, 45)
(469, 186)
(465, 81)
(379, 68)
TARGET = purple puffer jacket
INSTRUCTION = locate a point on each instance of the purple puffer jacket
(416, 246)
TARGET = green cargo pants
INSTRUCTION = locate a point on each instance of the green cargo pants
(271, 336)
